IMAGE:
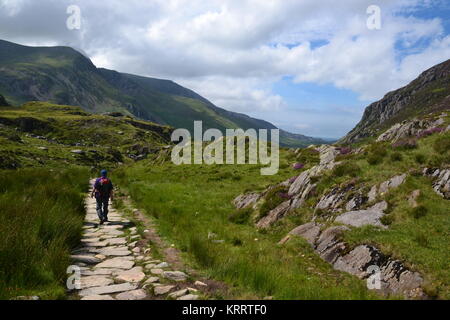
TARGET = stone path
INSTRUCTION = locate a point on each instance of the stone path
(114, 266)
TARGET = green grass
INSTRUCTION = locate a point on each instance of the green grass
(105, 140)
(42, 213)
(190, 202)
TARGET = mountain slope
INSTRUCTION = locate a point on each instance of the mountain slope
(428, 93)
(62, 75)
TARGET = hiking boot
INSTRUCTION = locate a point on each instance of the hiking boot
(102, 221)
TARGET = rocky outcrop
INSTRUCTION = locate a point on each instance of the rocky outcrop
(274, 215)
(428, 93)
(361, 261)
(301, 188)
(411, 128)
(441, 181)
(362, 218)
(384, 187)
(246, 200)
(335, 200)
(3, 101)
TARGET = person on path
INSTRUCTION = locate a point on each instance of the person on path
(103, 192)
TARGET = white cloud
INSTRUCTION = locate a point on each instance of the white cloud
(233, 51)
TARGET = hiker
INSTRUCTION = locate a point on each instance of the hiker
(103, 191)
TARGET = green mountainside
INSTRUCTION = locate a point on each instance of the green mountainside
(64, 76)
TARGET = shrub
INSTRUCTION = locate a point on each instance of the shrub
(346, 169)
(374, 159)
(387, 219)
(376, 153)
(236, 242)
(298, 166)
(345, 150)
(428, 132)
(419, 212)
(240, 216)
(420, 158)
(405, 144)
(442, 144)
(396, 156)
(272, 200)
(422, 240)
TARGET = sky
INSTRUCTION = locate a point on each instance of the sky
(307, 66)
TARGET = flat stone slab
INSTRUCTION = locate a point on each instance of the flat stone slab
(100, 272)
(115, 252)
(115, 241)
(85, 259)
(156, 271)
(179, 293)
(132, 275)
(132, 295)
(189, 297)
(115, 288)
(86, 240)
(362, 218)
(118, 263)
(95, 281)
(151, 280)
(98, 297)
(162, 265)
(160, 290)
(175, 275)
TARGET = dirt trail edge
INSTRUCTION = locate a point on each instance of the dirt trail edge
(116, 263)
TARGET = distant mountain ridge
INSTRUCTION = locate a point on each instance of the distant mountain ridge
(63, 75)
(428, 93)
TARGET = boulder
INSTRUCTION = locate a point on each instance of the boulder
(160, 290)
(274, 215)
(361, 218)
(115, 288)
(98, 297)
(138, 294)
(175, 275)
(441, 181)
(246, 200)
(133, 275)
(117, 263)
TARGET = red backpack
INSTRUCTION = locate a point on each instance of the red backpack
(103, 186)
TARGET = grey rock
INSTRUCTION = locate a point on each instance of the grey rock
(309, 231)
(115, 288)
(361, 218)
(133, 275)
(274, 215)
(178, 293)
(95, 281)
(138, 294)
(160, 290)
(189, 297)
(441, 181)
(87, 259)
(117, 263)
(175, 275)
(246, 200)
(98, 297)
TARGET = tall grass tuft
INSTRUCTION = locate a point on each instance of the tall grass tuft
(41, 220)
